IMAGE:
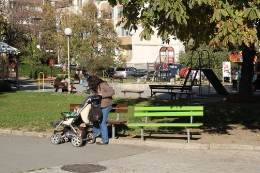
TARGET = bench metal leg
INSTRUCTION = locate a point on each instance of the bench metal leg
(174, 95)
(113, 131)
(188, 135)
(142, 133)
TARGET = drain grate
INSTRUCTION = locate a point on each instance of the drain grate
(83, 168)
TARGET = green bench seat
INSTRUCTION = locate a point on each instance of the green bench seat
(165, 125)
(168, 111)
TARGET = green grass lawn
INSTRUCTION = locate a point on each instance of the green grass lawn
(33, 111)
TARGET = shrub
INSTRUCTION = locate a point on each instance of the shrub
(29, 72)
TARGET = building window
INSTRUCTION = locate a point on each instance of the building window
(120, 12)
(122, 32)
(31, 8)
(79, 3)
(12, 4)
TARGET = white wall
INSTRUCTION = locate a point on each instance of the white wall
(147, 51)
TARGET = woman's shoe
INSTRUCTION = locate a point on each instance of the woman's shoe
(101, 143)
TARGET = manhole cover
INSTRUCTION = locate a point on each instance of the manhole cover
(83, 168)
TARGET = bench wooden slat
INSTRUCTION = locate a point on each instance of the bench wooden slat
(72, 106)
(171, 89)
(116, 108)
(132, 91)
(62, 85)
(164, 124)
(119, 108)
(116, 122)
(164, 114)
(179, 87)
(169, 108)
(59, 83)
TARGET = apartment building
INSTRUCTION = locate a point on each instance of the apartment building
(133, 50)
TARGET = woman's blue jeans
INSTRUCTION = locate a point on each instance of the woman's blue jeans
(102, 127)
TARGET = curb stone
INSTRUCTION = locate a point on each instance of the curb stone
(162, 144)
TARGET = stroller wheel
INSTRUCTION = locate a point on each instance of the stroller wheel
(90, 138)
(76, 141)
(56, 139)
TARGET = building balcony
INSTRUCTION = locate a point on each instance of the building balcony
(126, 40)
(127, 58)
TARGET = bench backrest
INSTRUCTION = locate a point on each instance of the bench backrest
(189, 87)
(118, 77)
(72, 106)
(59, 83)
(62, 84)
(157, 87)
(180, 87)
(116, 108)
(168, 111)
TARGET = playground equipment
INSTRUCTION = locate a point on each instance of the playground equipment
(39, 81)
(161, 65)
(200, 62)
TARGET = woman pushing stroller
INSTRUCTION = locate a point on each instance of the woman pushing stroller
(101, 88)
(94, 109)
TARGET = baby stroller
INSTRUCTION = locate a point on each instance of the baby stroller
(70, 125)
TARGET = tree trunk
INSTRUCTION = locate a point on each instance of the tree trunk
(247, 71)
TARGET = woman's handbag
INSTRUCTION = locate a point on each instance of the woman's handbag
(95, 113)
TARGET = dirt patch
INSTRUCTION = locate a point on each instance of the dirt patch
(235, 135)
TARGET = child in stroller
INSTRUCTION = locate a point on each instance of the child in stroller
(68, 114)
(74, 127)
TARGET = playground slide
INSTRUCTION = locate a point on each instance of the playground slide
(215, 81)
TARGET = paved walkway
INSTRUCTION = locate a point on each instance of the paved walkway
(126, 155)
(37, 155)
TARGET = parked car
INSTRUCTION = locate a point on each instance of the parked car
(110, 71)
(124, 71)
(142, 71)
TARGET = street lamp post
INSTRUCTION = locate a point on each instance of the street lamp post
(39, 48)
(5, 60)
(68, 33)
(2, 60)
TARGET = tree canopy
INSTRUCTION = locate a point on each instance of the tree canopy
(94, 39)
(231, 23)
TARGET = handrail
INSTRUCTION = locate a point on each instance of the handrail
(39, 81)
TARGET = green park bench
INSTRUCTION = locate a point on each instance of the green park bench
(168, 111)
